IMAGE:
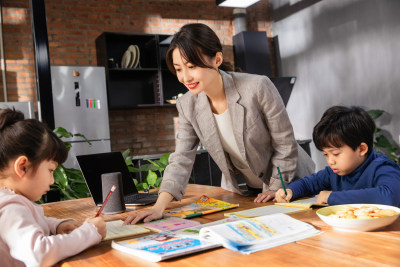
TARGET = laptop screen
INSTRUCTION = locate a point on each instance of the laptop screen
(94, 165)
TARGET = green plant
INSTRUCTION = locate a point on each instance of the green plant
(153, 169)
(68, 182)
(381, 143)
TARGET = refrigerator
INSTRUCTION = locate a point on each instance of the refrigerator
(80, 106)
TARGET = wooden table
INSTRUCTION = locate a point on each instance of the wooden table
(331, 248)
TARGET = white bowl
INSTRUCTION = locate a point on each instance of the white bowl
(356, 224)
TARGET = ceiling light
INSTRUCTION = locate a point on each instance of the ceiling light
(236, 3)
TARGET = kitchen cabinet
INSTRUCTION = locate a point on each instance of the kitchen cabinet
(150, 83)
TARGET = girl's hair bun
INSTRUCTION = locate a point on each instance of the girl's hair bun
(9, 117)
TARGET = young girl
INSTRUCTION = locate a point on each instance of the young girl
(29, 153)
(238, 117)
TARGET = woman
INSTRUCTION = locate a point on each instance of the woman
(239, 118)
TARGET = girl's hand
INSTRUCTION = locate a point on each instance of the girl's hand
(265, 196)
(281, 197)
(67, 227)
(146, 216)
(100, 225)
(323, 197)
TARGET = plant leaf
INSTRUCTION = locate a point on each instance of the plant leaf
(60, 177)
(133, 169)
(165, 159)
(84, 137)
(382, 141)
(155, 163)
(158, 182)
(140, 187)
(375, 113)
(126, 153)
(61, 132)
(151, 178)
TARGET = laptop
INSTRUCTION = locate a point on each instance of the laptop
(93, 165)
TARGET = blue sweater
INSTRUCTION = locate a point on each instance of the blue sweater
(376, 181)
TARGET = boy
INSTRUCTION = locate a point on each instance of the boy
(356, 174)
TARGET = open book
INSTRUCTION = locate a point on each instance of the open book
(116, 229)
(169, 224)
(163, 246)
(252, 235)
(204, 205)
(195, 230)
(264, 210)
(303, 203)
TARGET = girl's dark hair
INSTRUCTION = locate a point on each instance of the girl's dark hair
(30, 138)
(341, 125)
(194, 41)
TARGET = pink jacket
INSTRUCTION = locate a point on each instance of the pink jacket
(27, 237)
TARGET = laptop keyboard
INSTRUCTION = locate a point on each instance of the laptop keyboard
(140, 198)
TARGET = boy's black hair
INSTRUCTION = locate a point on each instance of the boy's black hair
(341, 125)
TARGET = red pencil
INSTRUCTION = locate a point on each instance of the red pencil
(105, 201)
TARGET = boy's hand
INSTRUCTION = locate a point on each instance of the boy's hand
(67, 227)
(323, 197)
(265, 196)
(100, 225)
(281, 197)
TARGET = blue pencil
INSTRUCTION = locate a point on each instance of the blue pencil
(283, 185)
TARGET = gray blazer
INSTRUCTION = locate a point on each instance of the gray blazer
(262, 132)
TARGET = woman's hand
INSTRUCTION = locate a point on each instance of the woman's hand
(156, 212)
(265, 196)
(146, 216)
(280, 195)
(67, 227)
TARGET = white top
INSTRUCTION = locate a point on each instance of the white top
(225, 130)
(27, 237)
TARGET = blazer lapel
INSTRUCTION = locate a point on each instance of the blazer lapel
(208, 128)
(236, 112)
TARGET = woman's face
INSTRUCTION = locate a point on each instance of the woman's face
(196, 79)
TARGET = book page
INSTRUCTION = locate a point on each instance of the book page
(116, 229)
(265, 210)
(169, 224)
(204, 205)
(163, 245)
(250, 235)
(302, 203)
(195, 230)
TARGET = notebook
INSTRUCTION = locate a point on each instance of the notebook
(93, 165)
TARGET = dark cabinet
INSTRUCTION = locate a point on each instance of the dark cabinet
(251, 52)
(205, 171)
(148, 84)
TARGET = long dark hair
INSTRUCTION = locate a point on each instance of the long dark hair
(30, 138)
(341, 125)
(194, 41)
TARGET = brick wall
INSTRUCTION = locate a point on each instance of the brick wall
(72, 29)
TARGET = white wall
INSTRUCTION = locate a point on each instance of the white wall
(343, 52)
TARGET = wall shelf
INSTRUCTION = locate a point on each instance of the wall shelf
(148, 85)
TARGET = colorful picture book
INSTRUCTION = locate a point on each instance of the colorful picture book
(116, 229)
(303, 203)
(169, 224)
(255, 234)
(264, 210)
(204, 205)
(163, 246)
(195, 230)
